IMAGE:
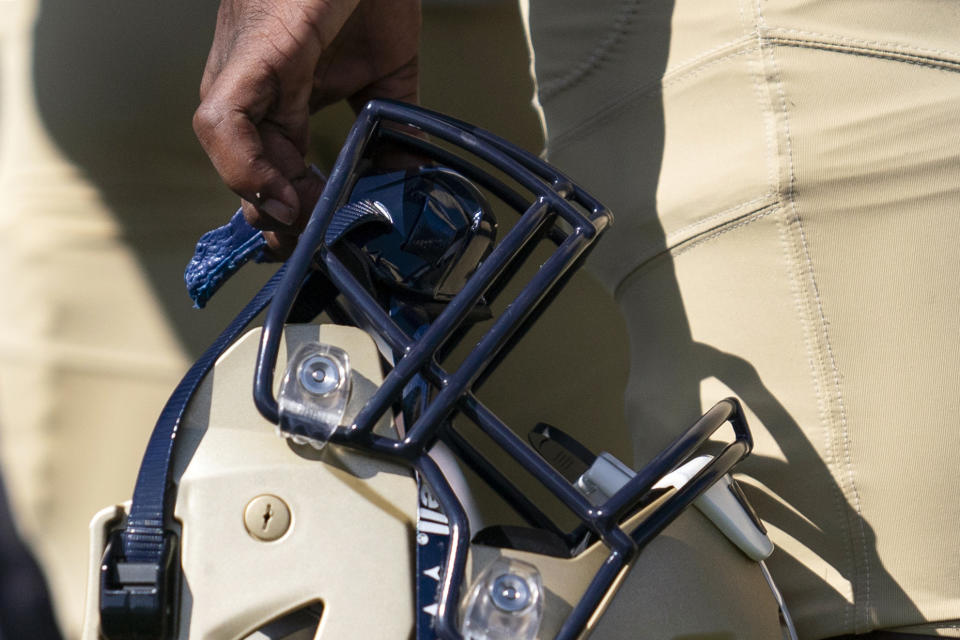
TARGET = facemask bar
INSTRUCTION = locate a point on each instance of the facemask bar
(553, 195)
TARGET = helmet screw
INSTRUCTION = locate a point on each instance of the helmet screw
(510, 593)
(266, 518)
(321, 375)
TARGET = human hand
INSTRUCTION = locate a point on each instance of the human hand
(273, 63)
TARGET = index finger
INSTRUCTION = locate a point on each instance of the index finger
(228, 133)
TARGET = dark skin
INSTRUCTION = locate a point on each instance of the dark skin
(272, 64)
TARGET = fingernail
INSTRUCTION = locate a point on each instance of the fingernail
(279, 211)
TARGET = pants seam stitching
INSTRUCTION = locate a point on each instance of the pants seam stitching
(646, 90)
(676, 237)
(866, 52)
(595, 59)
(693, 243)
(873, 45)
(683, 67)
(833, 409)
(700, 238)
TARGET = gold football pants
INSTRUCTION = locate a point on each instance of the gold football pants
(785, 180)
(97, 160)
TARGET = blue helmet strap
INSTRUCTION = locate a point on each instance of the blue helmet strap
(139, 576)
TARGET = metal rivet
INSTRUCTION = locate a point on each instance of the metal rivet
(321, 375)
(266, 517)
(510, 592)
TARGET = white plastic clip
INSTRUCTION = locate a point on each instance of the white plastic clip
(314, 394)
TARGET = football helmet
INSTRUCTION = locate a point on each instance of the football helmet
(358, 522)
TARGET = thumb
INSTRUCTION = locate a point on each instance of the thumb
(282, 240)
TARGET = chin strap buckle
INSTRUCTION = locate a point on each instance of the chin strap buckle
(138, 600)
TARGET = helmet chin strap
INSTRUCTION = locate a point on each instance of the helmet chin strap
(139, 577)
(433, 531)
(447, 461)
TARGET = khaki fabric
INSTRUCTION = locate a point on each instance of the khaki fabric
(96, 157)
(785, 177)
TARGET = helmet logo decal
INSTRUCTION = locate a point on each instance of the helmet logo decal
(433, 540)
